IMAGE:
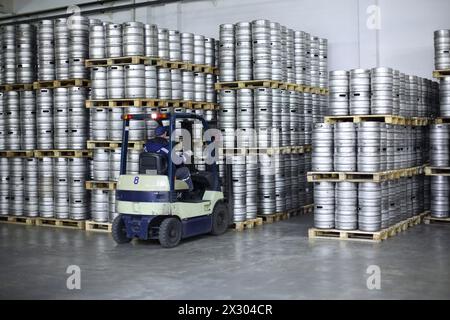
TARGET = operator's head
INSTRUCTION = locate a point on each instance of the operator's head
(162, 131)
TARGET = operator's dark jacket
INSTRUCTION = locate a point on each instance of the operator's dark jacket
(157, 145)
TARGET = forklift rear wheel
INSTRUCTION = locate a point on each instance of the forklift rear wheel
(170, 232)
(220, 219)
(119, 231)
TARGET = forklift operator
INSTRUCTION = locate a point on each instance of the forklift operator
(160, 145)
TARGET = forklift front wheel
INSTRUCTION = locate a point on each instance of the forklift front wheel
(220, 219)
(170, 232)
(119, 231)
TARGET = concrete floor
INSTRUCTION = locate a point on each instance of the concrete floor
(271, 262)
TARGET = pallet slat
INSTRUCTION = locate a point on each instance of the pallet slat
(271, 218)
(430, 220)
(308, 209)
(441, 120)
(98, 226)
(364, 176)
(103, 62)
(441, 73)
(17, 153)
(269, 151)
(437, 171)
(101, 185)
(63, 153)
(17, 220)
(16, 87)
(248, 224)
(61, 223)
(135, 145)
(390, 119)
(51, 84)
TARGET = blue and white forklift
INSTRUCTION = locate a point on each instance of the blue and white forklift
(155, 205)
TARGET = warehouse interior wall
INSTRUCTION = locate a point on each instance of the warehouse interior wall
(361, 33)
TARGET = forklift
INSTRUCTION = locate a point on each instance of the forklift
(156, 205)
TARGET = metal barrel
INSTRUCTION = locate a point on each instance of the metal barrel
(324, 205)
(346, 205)
(345, 146)
(369, 206)
(322, 155)
(442, 49)
(133, 39)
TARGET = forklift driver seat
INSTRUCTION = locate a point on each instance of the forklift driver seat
(152, 163)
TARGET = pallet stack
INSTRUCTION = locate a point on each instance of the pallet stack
(43, 124)
(273, 84)
(142, 68)
(439, 169)
(369, 155)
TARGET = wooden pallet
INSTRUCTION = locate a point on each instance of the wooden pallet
(120, 61)
(18, 220)
(250, 84)
(419, 121)
(134, 145)
(17, 153)
(61, 223)
(441, 73)
(324, 91)
(152, 61)
(51, 84)
(442, 120)
(253, 84)
(172, 64)
(357, 235)
(390, 119)
(364, 176)
(150, 103)
(291, 86)
(101, 185)
(271, 218)
(269, 151)
(430, 220)
(437, 171)
(249, 224)
(308, 209)
(249, 151)
(16, 87)
(316, 91)
(196, 105)
(301, 211)
(201, 68)
(295, 212)
(125, 103)
(406, 224)
(63, 153)
(299, 149)
(98, 226)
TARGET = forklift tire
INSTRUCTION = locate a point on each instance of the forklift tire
(220, 219)
(170, 232)
(119, 232)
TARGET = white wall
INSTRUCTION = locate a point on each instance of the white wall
(405, 40)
